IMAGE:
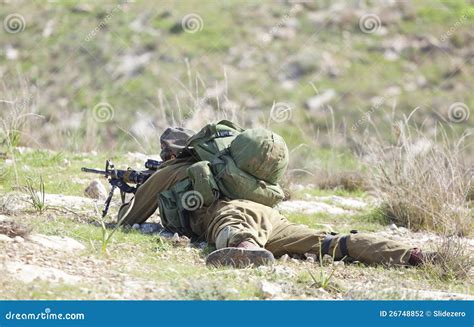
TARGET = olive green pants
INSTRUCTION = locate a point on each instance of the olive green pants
(227, 223)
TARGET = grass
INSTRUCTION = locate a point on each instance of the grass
(163, 270)
(83, 72)
(36, 196)
(423, 185)
(368, 221)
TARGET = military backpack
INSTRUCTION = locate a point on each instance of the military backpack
(232, 163)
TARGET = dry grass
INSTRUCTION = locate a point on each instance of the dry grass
(346, 180)
(452, 262)
(421, 182)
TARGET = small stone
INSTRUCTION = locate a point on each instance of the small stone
(136, 226)
(317, 102)
(284, 271)
(150, 228)
(322, 291)
(202, 245)
(96, 190)
(327, 259)
(175, 238)
(310, 259)
(269, 289)
(59, 243)
(284, 258)
(313, 256)
(339, 264)
(5, 238)
(18, 239)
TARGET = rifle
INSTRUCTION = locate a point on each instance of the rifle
(120, 179)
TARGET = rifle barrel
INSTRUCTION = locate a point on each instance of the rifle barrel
(95, 171)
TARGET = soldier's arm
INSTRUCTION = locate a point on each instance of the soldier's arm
(145, 201)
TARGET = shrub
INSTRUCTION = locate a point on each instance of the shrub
(422, 184)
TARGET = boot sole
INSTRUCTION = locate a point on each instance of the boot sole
(240, 258)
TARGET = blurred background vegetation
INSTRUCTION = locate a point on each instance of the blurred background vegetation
(109, 76)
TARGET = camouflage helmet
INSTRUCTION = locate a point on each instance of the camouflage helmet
(173, 141)
(261, 153)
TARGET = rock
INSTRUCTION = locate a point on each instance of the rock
(10, 52)
(60, 243)
(391, 55)
(298, 66)
(311, 207)
(96, 190)
(339, 264)
(321, 291)
(393, 227)
(329, 66)
(130, 64)
(136, 226)
(18, 239)
(317, 102)
(311, 257)
(5, 238)
(284, 271)
(202, 245)
(327, 260)
(175, 238)
(49, 28)
(269, 289)
(69, 201)
(11, 228)
(29, 273)
(284, 258)
(150, 228)
(4, 218)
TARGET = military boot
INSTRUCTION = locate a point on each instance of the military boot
(246, 254)
(418, 258)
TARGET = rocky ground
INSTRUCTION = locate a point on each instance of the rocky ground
(56, 255)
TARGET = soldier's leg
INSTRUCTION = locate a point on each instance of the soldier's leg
(145, 201)
(233, 222)
(239, 229)
(291, 238)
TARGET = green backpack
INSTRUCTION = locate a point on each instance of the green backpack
(238, 163)
(232, 163)
(212, 139)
